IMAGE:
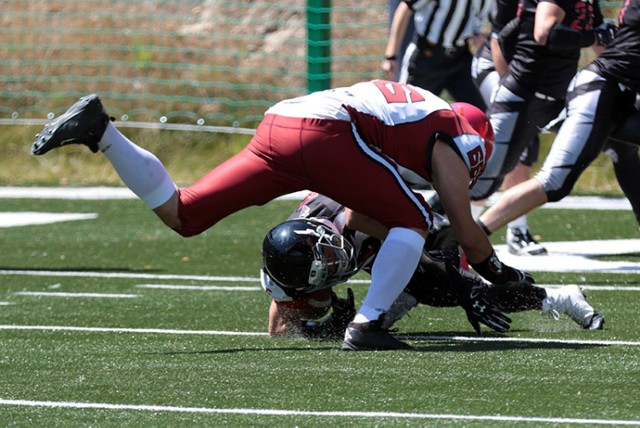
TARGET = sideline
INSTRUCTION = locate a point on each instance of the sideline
(333, 414)
(102, 193)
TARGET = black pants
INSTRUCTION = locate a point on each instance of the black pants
(436, 69)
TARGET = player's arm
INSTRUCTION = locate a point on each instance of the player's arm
(397, 31)
(283, 321)
(548, 15)
(451, 180)
(499, 61)
(365, 224)
(286, 317)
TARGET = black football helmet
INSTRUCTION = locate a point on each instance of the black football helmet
(305, 255)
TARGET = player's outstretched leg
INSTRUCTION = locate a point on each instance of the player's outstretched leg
(84, 123)
(570, 300)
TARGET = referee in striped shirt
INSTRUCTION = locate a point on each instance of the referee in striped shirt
(439, 56)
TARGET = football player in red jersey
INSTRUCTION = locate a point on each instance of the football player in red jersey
(361, 145)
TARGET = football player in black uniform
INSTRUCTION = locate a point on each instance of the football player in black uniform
(602, 115)
(318, 248)
(490, 64)
(549, 37)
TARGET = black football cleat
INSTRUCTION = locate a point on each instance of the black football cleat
(371, 336)
(84, 123)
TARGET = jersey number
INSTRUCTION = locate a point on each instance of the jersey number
(395, 92)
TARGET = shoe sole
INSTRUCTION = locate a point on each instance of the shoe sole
(46, 140)
(539, 251)
(596, 322)
(389, 344)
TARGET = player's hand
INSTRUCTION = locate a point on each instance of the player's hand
(481, 311)
(343, 309)
(605, 33)
(496, 272)
(472, 296)
(334, 326)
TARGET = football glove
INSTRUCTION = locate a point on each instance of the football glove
(496, 272)
(334, 326)
(472, 296)
(605, 33)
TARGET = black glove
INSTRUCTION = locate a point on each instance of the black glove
(496, 272)
(334, 326)
(472, 296)
(480, 310)
(605, 33)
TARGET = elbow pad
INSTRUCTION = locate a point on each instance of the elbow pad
(563, 38)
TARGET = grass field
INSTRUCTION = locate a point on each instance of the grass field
(118, 321)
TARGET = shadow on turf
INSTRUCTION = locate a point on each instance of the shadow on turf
(422, 342)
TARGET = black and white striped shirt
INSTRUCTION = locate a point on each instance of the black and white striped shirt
(449, 23)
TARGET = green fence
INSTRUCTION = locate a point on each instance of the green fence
(182, 62)
(205, 64)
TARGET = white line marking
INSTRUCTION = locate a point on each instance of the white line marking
(609, 287)
(230, 279)
(131, 330)
(102, 193)
(25, 218)
(523, 339)
(277, 412)
(127, 275)
(61, 294)
(196, 287)
(7, 303)
(247, 333)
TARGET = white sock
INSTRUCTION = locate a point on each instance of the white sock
(395, 264)
(140, 170)
(519, 223)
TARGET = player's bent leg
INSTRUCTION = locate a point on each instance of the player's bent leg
(513, 203)
(168, 212)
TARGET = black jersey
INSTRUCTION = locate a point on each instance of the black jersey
(537, 67)
(505, 11)
(621, 60)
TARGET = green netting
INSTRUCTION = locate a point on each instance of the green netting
(206, 62)
(202, 62)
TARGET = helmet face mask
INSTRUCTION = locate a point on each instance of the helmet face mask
(333, 257)
(306, 255)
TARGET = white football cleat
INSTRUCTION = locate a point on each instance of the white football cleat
(571, 301)
(521, 243)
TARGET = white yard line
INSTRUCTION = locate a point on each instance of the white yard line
(130, 330)
(257, 333)
(101, 193)
(197, 287)
(89, 274)
(330, 414)
(63, 294)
